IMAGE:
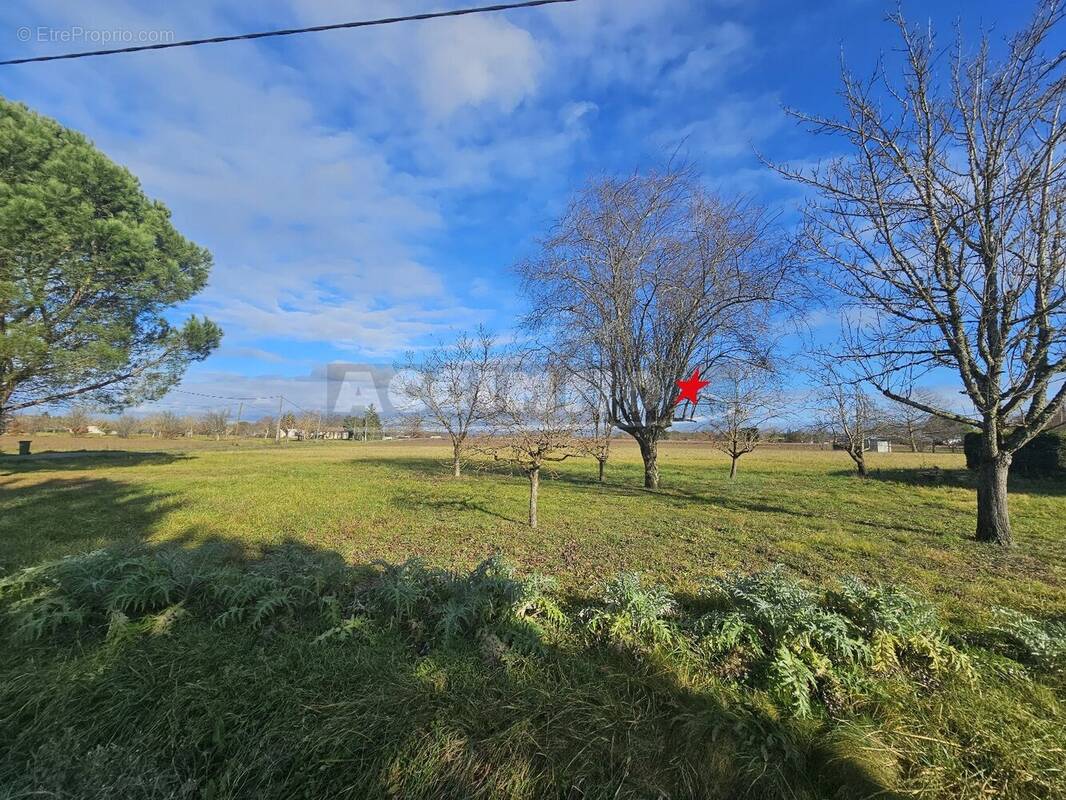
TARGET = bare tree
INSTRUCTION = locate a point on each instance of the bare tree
(26, 424)
(458, 385)
(170, 425)
(265, 426)
(945, 228)
(846, 411)
(645, 278)
(126, 425)
(589, 391)
(745, 400)
(945, 432)
(309, 424)
(540, 426)
(411, 426)
(215, 423)
(909, 424)
(77, 420)
(598, 436)
(908, 421)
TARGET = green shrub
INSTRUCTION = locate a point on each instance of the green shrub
(775, 634)
(442, 607)
(1031, 640)
(1043, 456)
(102, 588)
(633, 615)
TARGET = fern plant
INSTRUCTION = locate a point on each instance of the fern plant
(805, 647)
(771, 631)
(447, 607)
(902, 630)
(633, 615)
(1034, 641)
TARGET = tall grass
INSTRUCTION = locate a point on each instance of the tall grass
(135, 673)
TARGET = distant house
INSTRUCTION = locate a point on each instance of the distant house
(875, 445)
(335, 432)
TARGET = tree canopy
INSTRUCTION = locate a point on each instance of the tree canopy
(90, 271)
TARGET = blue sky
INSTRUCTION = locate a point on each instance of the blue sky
(366, 192)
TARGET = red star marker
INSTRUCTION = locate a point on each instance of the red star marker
(690, 389)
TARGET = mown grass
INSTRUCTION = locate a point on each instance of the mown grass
(393, 500)
(199, 709)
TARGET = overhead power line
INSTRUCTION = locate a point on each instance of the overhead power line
(458, 12)
(280, 397)
(226, 397)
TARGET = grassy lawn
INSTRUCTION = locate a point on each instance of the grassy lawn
(393, 500)
(157, 698)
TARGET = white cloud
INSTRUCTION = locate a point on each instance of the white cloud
(731, 128)
(323, 170)
(708, 63)
(475, 61)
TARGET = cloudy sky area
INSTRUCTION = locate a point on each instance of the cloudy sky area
(366, 192)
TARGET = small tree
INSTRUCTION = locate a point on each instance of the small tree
(907, 420)
(591, 391)
(847, 412)
(411, 426)
(745, 399)
(945, 432)
(354, 425)
(308, 424)
(287, 422)
(125, 426)
(599, 436)
(265, 426)
(458, 385)
(77, 420)
(24, 424)
(372, 428)
(216, 423)
(170, 425)
(541, 426)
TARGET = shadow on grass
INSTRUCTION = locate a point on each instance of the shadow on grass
(53, 518)
(429, 470)
(85, 459)
(933, 477)
(241, 712)
(408, 502)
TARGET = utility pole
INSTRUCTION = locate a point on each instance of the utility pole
(237, 427)
(364, 426)
(277, 432)
(318, 426)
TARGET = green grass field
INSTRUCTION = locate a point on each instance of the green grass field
(392, 500)
(258, 711)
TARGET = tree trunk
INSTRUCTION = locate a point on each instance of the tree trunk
(649, 451)
(457, 466)
(860, 461)
(993, 521)
(733, 468)
(534, 486)
(603, 463)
